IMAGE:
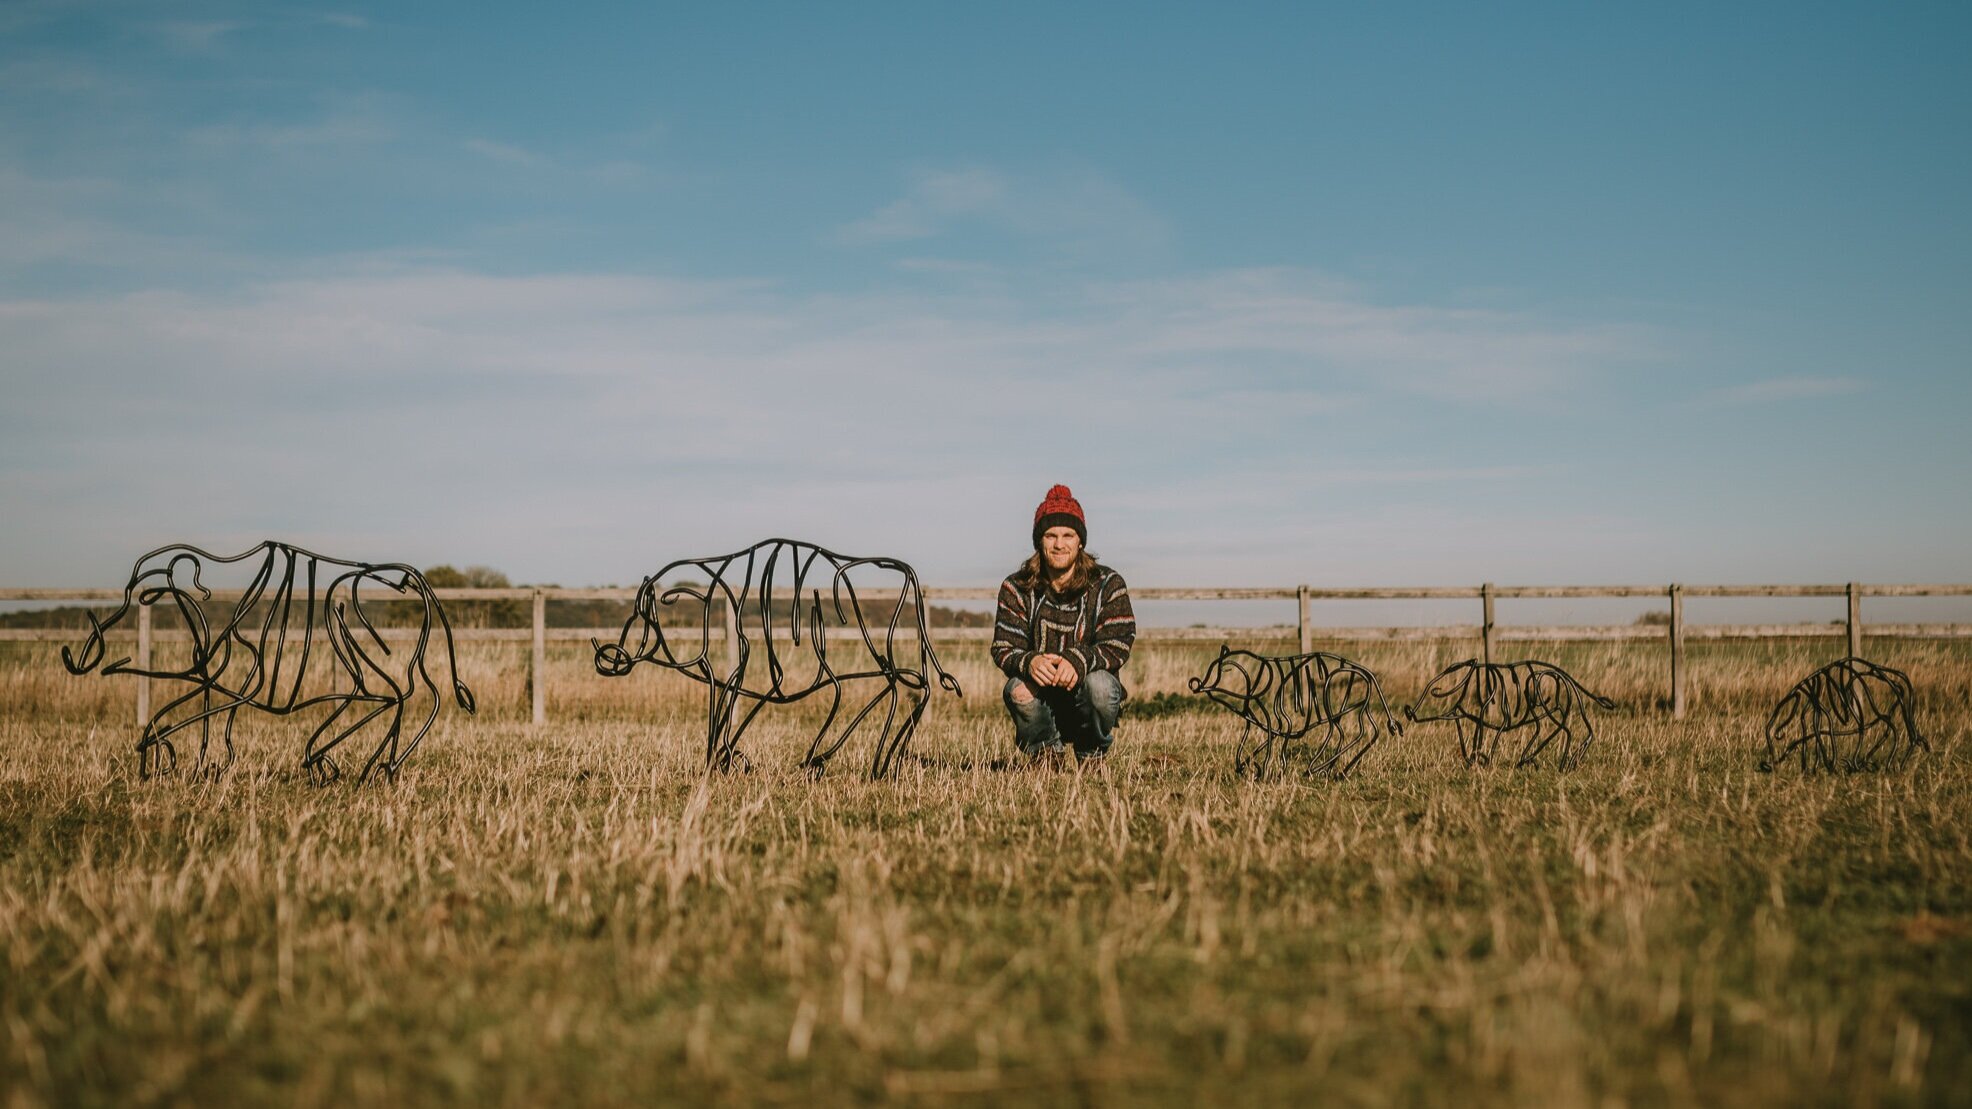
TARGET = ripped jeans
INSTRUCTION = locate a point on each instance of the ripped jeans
(1046, 717)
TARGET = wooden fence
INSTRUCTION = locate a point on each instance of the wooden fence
(1676, 632)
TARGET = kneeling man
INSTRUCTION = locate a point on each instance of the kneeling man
(1061, 636)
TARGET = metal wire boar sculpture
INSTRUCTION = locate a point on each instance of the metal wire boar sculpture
(298, 638)
(1501, 697)
(1852, 698)
(747, 581)
(1286, 699)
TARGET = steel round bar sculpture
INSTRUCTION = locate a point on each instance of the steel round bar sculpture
(1487, 700)
(1851, 698)
(1285, 698)
(297, 639)
(748, 583)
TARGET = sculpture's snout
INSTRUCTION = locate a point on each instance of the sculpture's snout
(612, 661)
(92, 653)
(92, 650)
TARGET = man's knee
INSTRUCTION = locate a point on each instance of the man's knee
(1019, 692)
(1104, 688)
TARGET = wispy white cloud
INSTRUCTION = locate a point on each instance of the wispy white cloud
(1270, 491)
(346, 121)
(1777, 389)
(1073, 212)
(505, 153)
(1423, 475)
(195, 36)
(1385, 544)
(636, 414)
(945, 266)
(1315, 321)
(22, 15)
(934, 200)
(61, 221)
(54, 75)
(614, 173)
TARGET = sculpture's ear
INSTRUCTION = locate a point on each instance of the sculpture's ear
(1225, 649)
(198, 584)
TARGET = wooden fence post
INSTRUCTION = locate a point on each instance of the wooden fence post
(143, 663)
(1486, 622)
(1855, 620)
(540, 676)
(1307, 628)
(1677, 651)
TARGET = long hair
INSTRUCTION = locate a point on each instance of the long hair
(1034, 573)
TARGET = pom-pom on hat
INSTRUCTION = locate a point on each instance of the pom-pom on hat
(1060, 509)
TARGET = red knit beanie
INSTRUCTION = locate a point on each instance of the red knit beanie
(1060, 509)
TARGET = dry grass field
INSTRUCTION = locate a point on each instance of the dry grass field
(575, 915)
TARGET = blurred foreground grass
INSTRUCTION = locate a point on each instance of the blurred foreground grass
(574, 915)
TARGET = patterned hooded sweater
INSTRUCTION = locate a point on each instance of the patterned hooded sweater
(1092, 629)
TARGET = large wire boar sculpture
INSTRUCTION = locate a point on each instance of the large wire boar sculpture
(298, 638)
(1487, 700)
(767, 665)
(1316, 709)
(1852, 699)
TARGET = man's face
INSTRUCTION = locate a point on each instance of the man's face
(1059, 546)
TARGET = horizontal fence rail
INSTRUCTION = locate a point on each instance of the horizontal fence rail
(1304, 631)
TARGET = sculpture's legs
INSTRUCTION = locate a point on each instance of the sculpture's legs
(321, 756)
(1810, 742)
(739, 722)
(1917, 741)
(887, 695)
(398, 758)
(1571, 751)
(1588, 737)
(1541, 731)
(385, 755)
(205, 728)
(1825, 745)
(724, 725)
(1475, 752)
(156, 753)
(892, 743)
(1359, 744)
(1323, 752)
(1255, 759)
(718, 721)
(212, 770)
(316, 760)
(818, 756)
(227, 735)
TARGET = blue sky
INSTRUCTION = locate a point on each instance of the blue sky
(1338, 294)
